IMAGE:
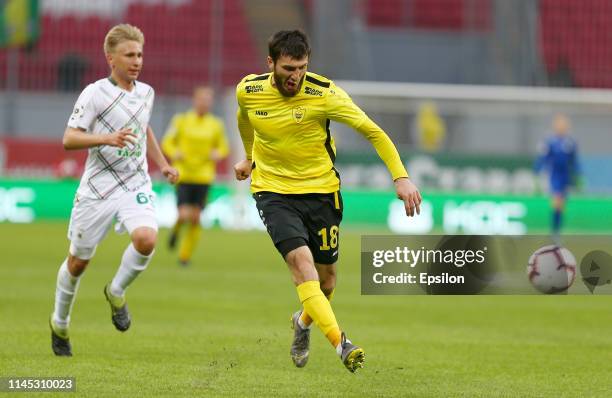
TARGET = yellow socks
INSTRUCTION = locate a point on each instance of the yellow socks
(189, 242)
(306, 319)
(319, 309)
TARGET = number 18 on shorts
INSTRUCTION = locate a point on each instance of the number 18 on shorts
(294, 220)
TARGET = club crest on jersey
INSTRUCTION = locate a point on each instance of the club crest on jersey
(298, 114)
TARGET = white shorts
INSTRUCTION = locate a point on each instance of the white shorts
(91, 219)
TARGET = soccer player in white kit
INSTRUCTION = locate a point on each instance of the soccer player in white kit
(111, 119)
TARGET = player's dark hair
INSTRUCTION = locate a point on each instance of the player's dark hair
(292, 43)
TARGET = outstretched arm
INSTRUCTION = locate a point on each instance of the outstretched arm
(405, 189)
(341, 108)
(157, 156)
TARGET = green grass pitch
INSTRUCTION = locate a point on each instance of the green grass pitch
(221, 328)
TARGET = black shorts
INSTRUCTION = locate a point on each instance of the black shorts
(303, 219)
(192, 194)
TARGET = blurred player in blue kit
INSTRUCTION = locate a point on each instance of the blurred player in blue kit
(558, 157)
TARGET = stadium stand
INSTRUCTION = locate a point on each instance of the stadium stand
(76, 40)
(454, 15)
(576, 40)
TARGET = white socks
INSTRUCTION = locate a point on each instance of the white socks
(132, 264)
(65, 292)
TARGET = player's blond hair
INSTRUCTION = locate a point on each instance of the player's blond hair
(120, 33)
(205, 88)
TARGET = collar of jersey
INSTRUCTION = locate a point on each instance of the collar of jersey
(114, 83)
(193, 114)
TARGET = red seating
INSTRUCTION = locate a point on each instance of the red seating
(177, 46)
(577, 36)
(388, 13)
(461, 15)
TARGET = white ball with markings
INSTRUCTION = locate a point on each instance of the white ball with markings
(552, 269)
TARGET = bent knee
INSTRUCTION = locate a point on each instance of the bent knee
(76, 266)
(144, 240)
(299, 257)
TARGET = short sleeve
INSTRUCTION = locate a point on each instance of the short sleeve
(84, 112)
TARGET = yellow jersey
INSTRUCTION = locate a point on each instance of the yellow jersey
(289, 140)
(195, 137)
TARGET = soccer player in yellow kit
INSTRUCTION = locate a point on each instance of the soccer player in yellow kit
(195, 142)
(284, 119)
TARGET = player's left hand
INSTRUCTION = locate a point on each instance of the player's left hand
(409, 193)
(170, 173)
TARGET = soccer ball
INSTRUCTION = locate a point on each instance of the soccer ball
(552, 269)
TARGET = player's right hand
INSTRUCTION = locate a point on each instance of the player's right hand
(121, 138)
(243, 169)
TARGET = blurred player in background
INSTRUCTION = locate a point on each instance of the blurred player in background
(559, 158)
(195, 142)
(284, 119)
(431, 128)
(111, 119)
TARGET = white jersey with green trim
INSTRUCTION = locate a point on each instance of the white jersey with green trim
(104, 108)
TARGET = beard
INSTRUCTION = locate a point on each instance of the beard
(281, 87)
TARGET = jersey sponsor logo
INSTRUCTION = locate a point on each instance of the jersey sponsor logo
(313, 91)
(298, 114)
(254, 88)
(135, 152)
(260, 113)
(133, 149)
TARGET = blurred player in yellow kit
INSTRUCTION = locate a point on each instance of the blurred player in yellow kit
(284, 121)
(195, 142)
